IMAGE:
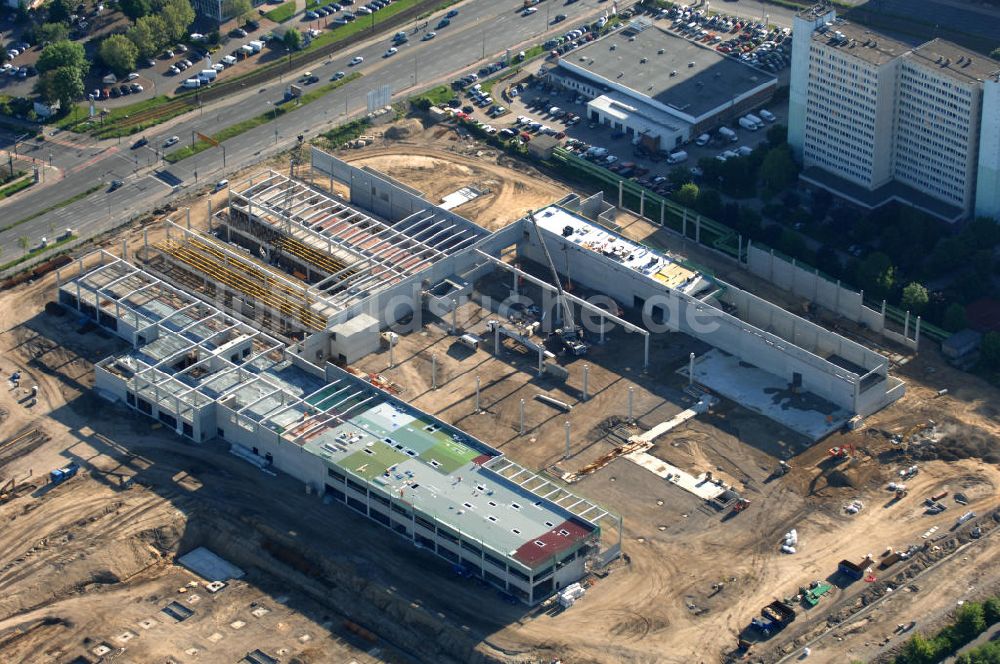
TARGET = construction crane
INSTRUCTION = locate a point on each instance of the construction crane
(566, 328)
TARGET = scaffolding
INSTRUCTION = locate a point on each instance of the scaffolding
(212, 260)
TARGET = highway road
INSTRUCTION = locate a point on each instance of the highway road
(481, 32)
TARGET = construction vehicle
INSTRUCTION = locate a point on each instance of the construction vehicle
(741, 505)
(774, 617)
(60, 475)
(841, 452)
(566, 331)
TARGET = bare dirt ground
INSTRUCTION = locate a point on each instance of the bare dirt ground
(89, 562)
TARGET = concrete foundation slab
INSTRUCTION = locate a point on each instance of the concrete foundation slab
(209, 566)
(767, 394)
(700, 486)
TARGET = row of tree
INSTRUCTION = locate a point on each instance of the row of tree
(971, 620)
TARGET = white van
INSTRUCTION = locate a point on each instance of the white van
(192, 83)
(469, 341)
(677, 157)
(767, 115)
(702, 140)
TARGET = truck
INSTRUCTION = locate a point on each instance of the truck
(728, 134)
(256, 46)
(747, 123)
(677, 157)
(60, 475)
(774, 617)
(207, 75)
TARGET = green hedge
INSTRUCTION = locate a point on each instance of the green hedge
(20, 185)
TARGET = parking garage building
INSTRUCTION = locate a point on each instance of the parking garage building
(659, 87)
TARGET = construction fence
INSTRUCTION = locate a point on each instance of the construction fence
(783, 271)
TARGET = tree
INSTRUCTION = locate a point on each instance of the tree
(177, 16)
(293, 39)
(22, 242)
(992, 609)
(876, 275)
(778, 170)
(63, 54)
(914, 297)
(989, 348)
(149, 34)
(63, 85)
(135, 9)
(679, 176)
(970, 621)
(59, 11)
(51, 32)
(777, 135)
(918, 650)
(238, 9)
(687, 195)
(119, 54)
(995, 53)
(953, 319)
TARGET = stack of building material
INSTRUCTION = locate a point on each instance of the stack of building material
(570, 594)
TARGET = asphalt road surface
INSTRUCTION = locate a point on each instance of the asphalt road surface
(481, 32)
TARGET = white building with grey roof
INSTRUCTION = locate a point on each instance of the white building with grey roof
(874, 119)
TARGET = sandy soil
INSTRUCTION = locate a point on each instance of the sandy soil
(95, 556)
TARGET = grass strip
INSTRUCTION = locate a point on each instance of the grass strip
(256, 121)
(282, 12)
(20, 185)
(36, 252)
(54, 206)
(361, 23)
(344, 133)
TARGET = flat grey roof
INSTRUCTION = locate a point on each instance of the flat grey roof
(712, 81)
(961, 63)
(860, 42)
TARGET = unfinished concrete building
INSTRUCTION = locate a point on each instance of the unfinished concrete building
(237, 333)
(206, 374)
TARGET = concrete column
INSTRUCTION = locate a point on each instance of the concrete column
(631, 398)
(496, 339)
(188, 215)
(739, 249)
(906, 325)
(691, 369)
(541, 360)
(434, 372)
(210, 214)
(454, 316)
(392, 348)
(642, 202)
(521, 426)
(125, 249)
(684, 223)
(586, 381)
(621, 194)
(567, 426)
(916, 338)
(663, 213)
(697, 229)
(477, 394)
(516, 276)
(645, 351)
(145, 241)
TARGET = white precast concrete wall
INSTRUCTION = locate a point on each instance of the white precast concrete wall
(809, 284)
(778, 353)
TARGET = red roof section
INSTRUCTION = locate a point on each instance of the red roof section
(481, 459)
(564, 536)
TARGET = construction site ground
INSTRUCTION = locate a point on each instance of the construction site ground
(91, 562)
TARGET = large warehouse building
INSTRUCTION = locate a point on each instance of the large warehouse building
(873, 119)
(237, 334)
(644, 80)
